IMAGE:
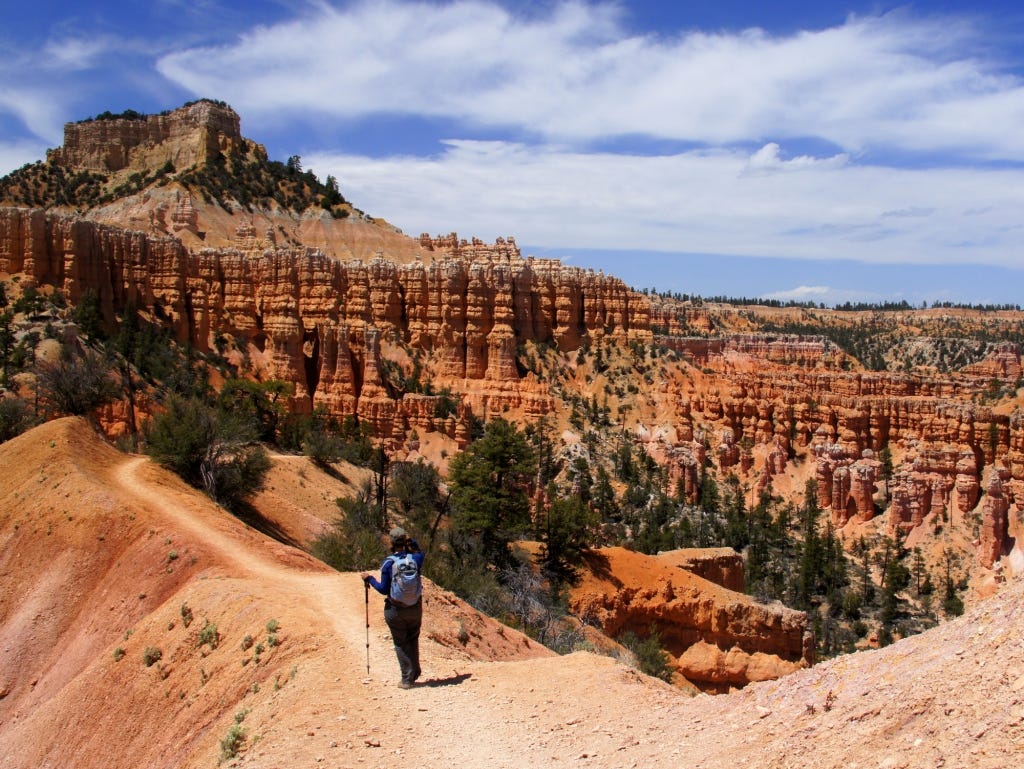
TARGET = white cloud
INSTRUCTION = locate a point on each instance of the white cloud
(696, 202)
(826, 295)
(34, 108)
(577, 75)
(73, 53)
(769, 159)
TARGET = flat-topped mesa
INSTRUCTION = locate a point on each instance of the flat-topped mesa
(188, 136)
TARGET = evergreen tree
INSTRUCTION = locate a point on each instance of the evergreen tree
(6, 345)
(566, 533)
(88, 315)
(261, 404)
(602, 496)
(737, 531)
(489, 483)
(415, 499)
(811, 553)
(355, 540)
(952, 604)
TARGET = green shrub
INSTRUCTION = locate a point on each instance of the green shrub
(353, 542)
(209, 635)
(211, 450)
(232, 742)
(151, 656)
(650, 657)
(75, 385)
(15, 418)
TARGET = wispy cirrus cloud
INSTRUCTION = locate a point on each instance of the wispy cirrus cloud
(576, 74)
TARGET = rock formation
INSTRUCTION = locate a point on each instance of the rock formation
(334, 305)
(718, 639)
(994, 519)
(318, 321)
(188, 136)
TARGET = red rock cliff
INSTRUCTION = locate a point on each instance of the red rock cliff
(717, 638)
(318, 321)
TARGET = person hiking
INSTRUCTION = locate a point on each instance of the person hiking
(402, 587)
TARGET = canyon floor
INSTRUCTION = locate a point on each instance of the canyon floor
(105, 558)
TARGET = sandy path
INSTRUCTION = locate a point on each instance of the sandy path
(464, 713)
(953, 696)
(337, 595)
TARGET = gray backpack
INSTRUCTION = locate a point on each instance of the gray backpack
(406, 585)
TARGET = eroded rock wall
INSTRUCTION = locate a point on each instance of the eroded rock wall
(752, 405)
(319, 322)
(718, 638)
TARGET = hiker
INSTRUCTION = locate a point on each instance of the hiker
(402, 588)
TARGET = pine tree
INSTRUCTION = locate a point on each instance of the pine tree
(489, 483)
(811, 552)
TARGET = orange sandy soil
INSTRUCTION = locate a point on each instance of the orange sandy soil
(100, 551)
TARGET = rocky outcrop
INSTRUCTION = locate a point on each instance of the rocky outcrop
(1002, 363)
(941, 437)
(749, 405)
(318, 321)
(185, 137)
(721, 565)
(718, 639)
(845, 486)
(994, 519)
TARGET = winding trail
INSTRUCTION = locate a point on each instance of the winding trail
(507, 714)
(334, 594)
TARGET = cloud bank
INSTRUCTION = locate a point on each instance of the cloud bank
(914, 91)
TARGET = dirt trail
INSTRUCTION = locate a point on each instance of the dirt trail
(337, 595)
(464, 713)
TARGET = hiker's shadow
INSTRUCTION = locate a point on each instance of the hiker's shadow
(450, 681)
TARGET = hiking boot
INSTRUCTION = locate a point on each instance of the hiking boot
(405, 685)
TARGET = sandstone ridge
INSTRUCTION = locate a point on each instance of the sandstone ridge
(718, 638)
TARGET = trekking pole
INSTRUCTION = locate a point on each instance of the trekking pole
(366, 593)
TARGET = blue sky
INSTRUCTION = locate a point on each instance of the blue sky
(826, 152)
